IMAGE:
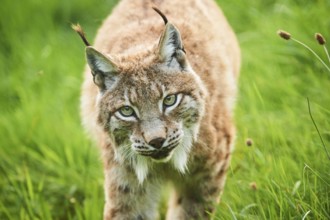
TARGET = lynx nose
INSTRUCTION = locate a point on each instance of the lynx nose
(157, 142)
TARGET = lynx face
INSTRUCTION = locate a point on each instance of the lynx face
(149, 104)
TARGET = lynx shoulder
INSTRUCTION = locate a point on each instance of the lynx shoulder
(158, 99)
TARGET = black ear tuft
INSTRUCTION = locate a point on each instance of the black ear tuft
(161, 14)
(77, 28)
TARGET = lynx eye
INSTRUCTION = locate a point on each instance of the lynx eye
(126, 111)
(169, 100)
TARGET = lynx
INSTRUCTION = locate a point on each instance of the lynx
(158, 100)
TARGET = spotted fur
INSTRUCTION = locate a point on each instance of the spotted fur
(158, 100)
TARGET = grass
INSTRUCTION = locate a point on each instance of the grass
(49, 169)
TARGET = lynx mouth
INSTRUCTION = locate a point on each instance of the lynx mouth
(162, 154)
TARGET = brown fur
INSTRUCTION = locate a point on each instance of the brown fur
(129, 38)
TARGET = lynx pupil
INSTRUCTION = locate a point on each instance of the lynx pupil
(126, 111)
(169, 100)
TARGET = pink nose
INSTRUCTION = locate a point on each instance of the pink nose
(157, 142)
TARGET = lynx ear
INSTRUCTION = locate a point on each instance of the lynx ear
(104, 70)
(170, 48)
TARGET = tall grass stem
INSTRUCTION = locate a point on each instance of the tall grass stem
(306, 214)
(326, 52)
(310, 113)
(308, 48)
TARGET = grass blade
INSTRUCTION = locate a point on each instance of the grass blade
(310, 114)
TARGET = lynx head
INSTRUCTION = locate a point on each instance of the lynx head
(150, 103)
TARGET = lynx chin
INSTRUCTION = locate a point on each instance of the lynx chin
(158, 99)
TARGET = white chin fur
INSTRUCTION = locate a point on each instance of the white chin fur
(181, 153)
(141, 168)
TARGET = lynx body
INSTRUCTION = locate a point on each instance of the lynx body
(158, 100)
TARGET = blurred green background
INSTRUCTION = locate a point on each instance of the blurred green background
(49, 169)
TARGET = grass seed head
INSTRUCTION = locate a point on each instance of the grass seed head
(253, 185)
(249, 142)
(283, 34)
(320, 38)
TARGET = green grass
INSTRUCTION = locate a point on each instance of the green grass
(50, 170)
